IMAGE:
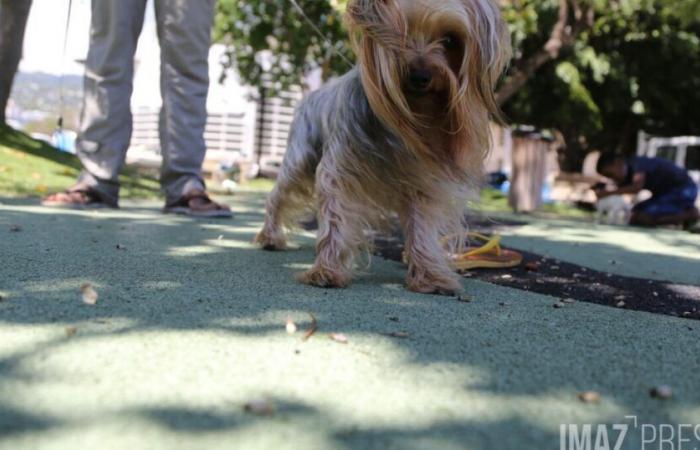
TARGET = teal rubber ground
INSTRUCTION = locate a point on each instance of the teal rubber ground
(190, 326)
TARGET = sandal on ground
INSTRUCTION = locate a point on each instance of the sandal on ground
(197, 204)
(488, 256)
(77, 198)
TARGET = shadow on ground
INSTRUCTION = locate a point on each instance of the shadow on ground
(189, 326)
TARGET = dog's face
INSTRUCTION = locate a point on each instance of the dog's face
(428, 63)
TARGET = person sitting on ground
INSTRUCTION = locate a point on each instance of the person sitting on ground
(184, 30)
(673, 191)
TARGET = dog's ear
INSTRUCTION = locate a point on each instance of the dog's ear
(489, 52)
(378, 31)
(473, 103)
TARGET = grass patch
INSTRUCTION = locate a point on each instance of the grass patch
(31, 168)
(494, 201)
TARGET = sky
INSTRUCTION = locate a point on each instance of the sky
(43, 52)
(43, 45)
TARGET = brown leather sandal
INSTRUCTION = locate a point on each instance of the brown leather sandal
(197, 204)
(77, 197)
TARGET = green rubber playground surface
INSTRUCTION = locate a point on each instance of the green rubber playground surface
(189, 327)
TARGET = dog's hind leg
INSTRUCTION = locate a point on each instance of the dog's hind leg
(292, 195)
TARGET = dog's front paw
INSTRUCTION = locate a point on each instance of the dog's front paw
(434, 284)
(324, 277)
(271, 241)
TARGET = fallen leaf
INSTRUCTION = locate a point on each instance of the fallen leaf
(71, 331)
(312, 328)
(259, 407)
(89, 294)
(291, 327)
(399, 334)
(532, 266)
(662, 392)
(338, 337)
(464, 298)
(589, 397)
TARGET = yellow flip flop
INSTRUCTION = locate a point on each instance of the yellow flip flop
(488, 256)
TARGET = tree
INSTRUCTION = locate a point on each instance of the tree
(13, 22)
(595, 71)
(272, 45)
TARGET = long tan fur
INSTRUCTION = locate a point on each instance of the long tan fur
(368, 145)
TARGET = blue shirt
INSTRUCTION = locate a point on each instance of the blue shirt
(661, 175)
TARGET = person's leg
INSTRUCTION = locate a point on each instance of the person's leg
(672, 208)
(106, 121)
(184, 30)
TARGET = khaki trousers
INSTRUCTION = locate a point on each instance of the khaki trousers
(184, 32)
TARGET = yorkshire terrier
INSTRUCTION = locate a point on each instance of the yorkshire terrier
(406, 131)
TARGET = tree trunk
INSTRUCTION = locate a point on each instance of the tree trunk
(13, 22)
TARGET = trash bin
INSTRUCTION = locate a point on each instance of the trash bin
(529, 171)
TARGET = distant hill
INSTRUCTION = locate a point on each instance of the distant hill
(36, 95)
(38, 91)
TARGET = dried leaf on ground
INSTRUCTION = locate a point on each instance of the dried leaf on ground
(339, 337)
(71, 331)
(399, 334)
(589, 397)
(259, 407)
(532, 266)
(661, 392)
(312, 328)
(89, 294)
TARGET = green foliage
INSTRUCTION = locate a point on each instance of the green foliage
(635, 66)
(272, 45)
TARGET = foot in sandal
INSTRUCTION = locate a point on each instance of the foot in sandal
(78, 197)
(197, 203)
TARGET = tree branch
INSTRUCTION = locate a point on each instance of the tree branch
(562, 36)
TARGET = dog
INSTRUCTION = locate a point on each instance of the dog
(613, 210)
(404, 133)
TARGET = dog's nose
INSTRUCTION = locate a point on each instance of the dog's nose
(420, 79)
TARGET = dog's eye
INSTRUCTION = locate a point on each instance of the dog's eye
(450, 42)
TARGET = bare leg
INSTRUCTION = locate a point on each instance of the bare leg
(428, 268)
